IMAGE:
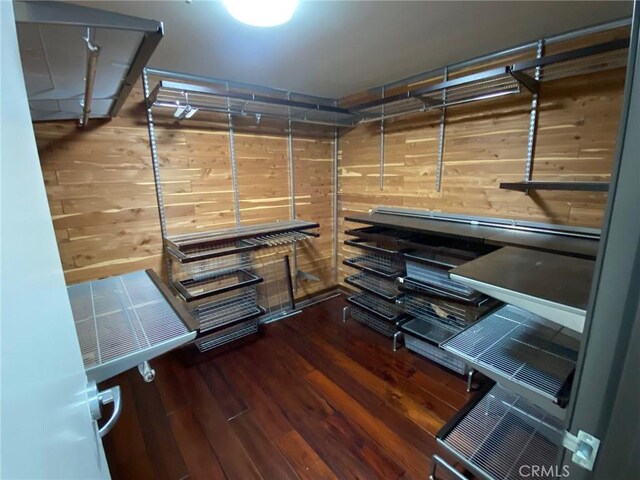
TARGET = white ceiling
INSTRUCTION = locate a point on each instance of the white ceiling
(334, 48)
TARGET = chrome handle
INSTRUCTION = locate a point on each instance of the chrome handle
(439, 461)
(96, 399)
(105, 397)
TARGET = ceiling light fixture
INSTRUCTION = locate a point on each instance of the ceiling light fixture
(261, 13)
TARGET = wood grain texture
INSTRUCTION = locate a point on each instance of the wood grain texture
(486, 144)
(101, 189)
(316, 407)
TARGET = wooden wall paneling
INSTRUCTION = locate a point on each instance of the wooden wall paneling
(313, 175)
(102, 194)
(486, 144)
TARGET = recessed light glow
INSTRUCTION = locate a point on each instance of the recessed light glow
(262, 13)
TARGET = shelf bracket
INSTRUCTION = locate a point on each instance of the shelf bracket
(526, 81)
(308, 276)
(584, 447)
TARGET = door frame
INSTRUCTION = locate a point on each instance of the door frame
(606, 389)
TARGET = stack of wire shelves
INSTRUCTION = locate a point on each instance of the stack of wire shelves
(378, 263)
(440, 307)
(215, 274)
(518, 421)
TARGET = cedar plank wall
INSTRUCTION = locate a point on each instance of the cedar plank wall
(102, 198)
(485, 144)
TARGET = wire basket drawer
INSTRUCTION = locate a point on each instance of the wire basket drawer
(455, 313)
(436, 354)
(367, 318)
(215, 283)
(227, 335)
(387, 266)
(381, 287)
(437, 277)
(233, 307)
(430, 330)
(385, 310)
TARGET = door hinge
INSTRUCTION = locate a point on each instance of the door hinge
(584, 447)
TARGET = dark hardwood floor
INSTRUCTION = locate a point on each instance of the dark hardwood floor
(313, 398)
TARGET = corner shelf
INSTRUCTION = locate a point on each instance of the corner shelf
(566, 186)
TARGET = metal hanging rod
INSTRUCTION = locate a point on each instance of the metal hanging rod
(93, 51)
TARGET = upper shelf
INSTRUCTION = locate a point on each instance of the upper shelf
(556, 287)
(81, 62)
(186, 99)
(499, 81)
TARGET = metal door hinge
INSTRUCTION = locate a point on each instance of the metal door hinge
(584, 447)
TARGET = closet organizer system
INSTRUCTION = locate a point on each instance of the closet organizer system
(214, 272)
(505, 298)
(501, 297)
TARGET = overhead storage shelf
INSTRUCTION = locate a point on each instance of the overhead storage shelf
(556, 287)
(581, 61)
(498, 82)
(80, 62)
(470, 88)
(186, 99)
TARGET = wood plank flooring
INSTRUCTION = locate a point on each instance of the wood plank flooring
(313, 398)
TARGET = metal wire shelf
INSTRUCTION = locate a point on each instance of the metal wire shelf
(186, 99)
(374, 285)
(215, 283)
(384, 310)
(382, 265)
(121, 318)
(235, 307)
(484, 85)
(227, 335)
(365, 317)
(516, 346)
(582, 61)
(497, 82)
(502, 433)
